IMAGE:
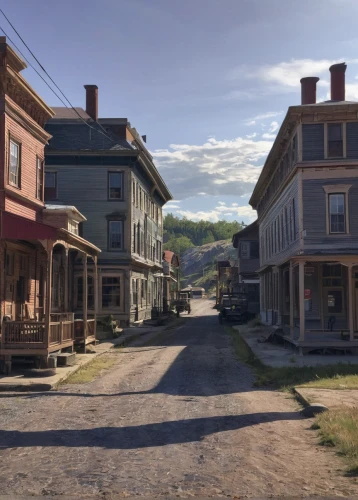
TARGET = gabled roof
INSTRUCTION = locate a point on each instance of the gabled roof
(171, 257)
(245, 232)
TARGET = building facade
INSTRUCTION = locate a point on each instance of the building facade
(248, 262)
(39, 245)
(306, 199)
(108, 173)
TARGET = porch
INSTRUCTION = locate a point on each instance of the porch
(45, 294)
(314, 299)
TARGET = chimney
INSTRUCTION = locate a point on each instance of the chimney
(92, 101)
(338, 87)
(308, 89)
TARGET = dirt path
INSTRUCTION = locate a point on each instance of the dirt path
(179, 418)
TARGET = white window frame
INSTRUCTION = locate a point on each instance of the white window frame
(121, 285)
(110, 247)
(39, 178)
(17, 175)
(337, 189)
(344, 137)
(121, 175)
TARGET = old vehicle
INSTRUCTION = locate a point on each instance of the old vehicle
(235, 307)
(182, 304)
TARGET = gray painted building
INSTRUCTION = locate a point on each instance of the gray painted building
(307, 204)
(104, 168)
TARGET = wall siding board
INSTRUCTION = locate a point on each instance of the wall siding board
(312, 142)
(314, 215)
(288, 194)
(352, 140)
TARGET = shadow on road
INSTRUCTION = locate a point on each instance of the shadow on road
(140, 436)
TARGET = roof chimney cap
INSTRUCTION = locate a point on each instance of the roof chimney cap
(90, 87)
(339, 67)
(308, 89)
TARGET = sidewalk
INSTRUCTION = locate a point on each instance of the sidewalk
(331, 398)
(275, 355)
(19, 381)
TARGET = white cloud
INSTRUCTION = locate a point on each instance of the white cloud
(240, 213)
(170, 207)
(268, 136)
(226, 167)
(273, 127)
(251, 136)
(234, 204)
(221, 203)
(264, 116)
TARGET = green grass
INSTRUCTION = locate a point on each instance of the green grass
(91, 370)
(339, 428)
(338, 376)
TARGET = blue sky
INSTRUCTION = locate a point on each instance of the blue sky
(208, 81)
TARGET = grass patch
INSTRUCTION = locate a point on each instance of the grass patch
(338, 376)
(91, 370)
(339, 428)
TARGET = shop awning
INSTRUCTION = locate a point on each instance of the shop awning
(14, 227)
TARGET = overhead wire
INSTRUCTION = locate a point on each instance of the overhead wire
(46, 73)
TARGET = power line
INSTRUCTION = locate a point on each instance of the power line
(46, 73)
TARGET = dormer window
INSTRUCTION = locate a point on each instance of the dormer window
(335, 140)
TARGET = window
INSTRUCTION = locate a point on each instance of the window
(133, 195)
(254, 249)
(141, 199)
(337, 213)
(335, 140)
(14, 164)
(245, 250)
(115, 185)
(334, 301)
(134, 292)
(9, 265)
(39, 178)
(111, 292)
(332, 275)
(73, 227)
(90, 292)
(50, 186)
(115, 234)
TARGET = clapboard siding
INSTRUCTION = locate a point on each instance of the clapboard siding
(352, 140)
(312, 142)
(314, 215)
(289, 193)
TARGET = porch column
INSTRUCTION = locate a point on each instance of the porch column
(66, 281)
(48, 292)
(95, 288)
(291, 301)
(85, 297)
(301, 294)
(350, 302)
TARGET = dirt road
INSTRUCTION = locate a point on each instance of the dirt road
(178, 417)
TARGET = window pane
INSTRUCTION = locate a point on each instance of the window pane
(115, 234)
(14, 163)
(335, 132)
(115, 185)
(110, 292)
(337, 213)
(334, 301)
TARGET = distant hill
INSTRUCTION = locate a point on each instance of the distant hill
(182, 234)
(198, 264)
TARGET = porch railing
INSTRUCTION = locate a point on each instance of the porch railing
(23, 332)
(61, 331)
(91, 327)
(58, 317)
(79, 330)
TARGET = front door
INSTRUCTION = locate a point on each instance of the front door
(20, 298)
(333, 303)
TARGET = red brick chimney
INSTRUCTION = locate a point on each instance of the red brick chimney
(92, 101)
(308, 89)
(338, 87)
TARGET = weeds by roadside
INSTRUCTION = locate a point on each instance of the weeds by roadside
(91, 370)
(339, 428)
(338, 376)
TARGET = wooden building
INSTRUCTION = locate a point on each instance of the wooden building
(248, 262)
(307, 199)
(102, 166)
(39, 246)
